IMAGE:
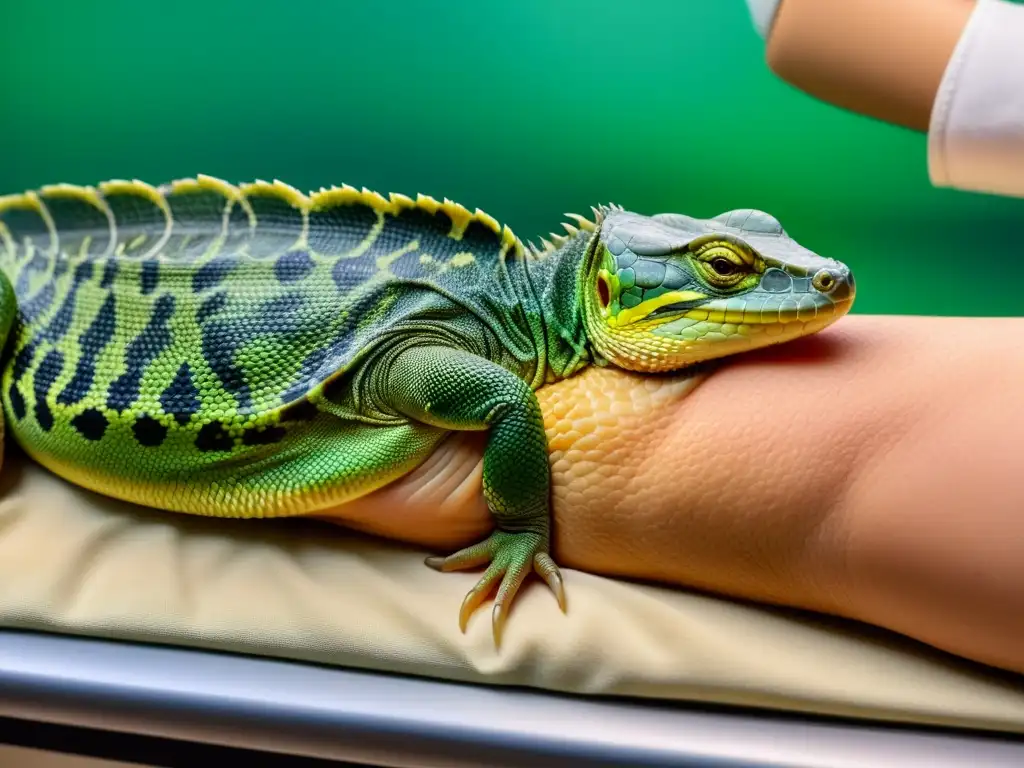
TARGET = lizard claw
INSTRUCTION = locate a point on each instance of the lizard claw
(510, 558)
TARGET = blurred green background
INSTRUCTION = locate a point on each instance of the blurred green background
(525, 109)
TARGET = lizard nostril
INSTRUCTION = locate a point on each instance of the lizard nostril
(825, 281)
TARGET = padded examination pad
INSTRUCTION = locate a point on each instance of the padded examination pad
(74, 562)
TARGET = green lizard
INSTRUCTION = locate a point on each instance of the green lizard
(255, 352)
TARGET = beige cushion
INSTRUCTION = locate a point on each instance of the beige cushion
(73, 562)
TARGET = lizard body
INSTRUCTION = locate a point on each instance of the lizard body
(255, 352)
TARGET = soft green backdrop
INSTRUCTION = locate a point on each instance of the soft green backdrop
(525, 109)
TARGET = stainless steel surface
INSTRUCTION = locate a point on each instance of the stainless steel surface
(394, 721)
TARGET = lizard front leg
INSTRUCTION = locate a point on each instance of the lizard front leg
(457, 390)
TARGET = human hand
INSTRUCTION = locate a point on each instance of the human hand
(871, 471)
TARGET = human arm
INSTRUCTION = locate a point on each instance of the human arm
(951, 68)
(871, 472)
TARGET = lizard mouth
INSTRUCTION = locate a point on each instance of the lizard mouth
(788, 310)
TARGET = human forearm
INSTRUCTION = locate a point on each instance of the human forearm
(882, 58)
(872, 472)
(933, 529)
(838, 473)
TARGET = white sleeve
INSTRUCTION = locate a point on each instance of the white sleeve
(976, 134)
(762, 13)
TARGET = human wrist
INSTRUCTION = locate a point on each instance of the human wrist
(856, 56)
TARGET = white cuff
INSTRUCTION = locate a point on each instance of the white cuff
(762, 13)
(976, 135)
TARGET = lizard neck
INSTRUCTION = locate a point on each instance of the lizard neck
(555, 281)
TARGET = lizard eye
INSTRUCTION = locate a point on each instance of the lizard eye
(722, 266)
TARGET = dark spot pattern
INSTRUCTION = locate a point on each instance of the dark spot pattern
(348, 273)
(142, 351)
(91, 424)
(22, 360)
(479, 238)
(301, 410)
(148, 431)
(61, 321)
(92, 342)
(49, 370)
(181, 398)
(334, 389)
(267, 436)
(109, 273)
(34, 307)
(294, 326)
(398, 233)
(17, 401)
(293, 266)
(211, 306)
(210, 274)
(214, 437)
(150, 277)
(221, 340)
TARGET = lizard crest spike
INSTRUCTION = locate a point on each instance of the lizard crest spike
(216, 334)
(582, 222)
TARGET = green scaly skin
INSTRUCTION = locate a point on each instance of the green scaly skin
(255, 352)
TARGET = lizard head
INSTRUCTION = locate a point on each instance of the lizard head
(662, 292)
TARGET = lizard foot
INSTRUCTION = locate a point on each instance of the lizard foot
(510, 558)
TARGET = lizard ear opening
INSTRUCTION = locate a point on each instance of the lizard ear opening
(604, 294)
